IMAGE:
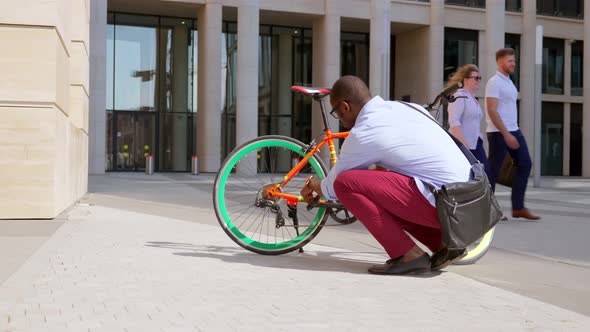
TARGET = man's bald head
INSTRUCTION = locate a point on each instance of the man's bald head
(350, 88)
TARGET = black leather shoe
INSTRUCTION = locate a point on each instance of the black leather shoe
(396, 266)
(446, 257)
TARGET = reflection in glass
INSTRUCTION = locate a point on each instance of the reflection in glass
(135, 68)
(175, 55)
(513, 41)
(576, 140)
(354, 55)
(577, 67)
(229, 64)
(284, 59)
(110, 165)
(151, 66)
(174, 148)
(460, 49)
(193, 71)
(553, 65)
(302, 76)
(552, 139)
(110, 64)
(135, 139)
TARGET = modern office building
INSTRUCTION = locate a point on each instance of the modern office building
(93, 86)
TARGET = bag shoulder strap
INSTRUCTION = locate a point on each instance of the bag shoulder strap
(470, 157)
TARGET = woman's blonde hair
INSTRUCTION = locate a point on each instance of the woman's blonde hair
(461, 74)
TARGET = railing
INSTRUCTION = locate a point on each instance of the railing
(514, 5)
(467, 3)
(561, 8)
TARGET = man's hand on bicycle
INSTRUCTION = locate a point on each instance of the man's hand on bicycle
(312, 184)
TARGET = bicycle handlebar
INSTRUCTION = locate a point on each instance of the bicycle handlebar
(446, 96)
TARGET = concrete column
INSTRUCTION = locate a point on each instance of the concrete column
(247, 75)
(436, 35)
(483, 64)
(379, 50)
(326, 65)
(527, 73)
(209, 91)
(247, 72)
(494, 37)
(97, 107)
(567, 115)
(586, 93)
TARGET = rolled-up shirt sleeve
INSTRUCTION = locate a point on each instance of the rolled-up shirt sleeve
(456, 110)
(352, 156)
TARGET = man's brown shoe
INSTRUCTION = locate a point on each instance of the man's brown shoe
(524, 213)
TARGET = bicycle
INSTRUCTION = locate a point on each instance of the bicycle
(261, 179)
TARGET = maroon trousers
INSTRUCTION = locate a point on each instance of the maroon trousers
(388, 204)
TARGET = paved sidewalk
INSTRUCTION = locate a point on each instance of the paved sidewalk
(111, 269)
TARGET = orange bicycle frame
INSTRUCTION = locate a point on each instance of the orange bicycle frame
(294, 199)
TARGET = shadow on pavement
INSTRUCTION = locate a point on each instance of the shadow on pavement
(336, 261)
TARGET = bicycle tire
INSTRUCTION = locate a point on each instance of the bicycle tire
(479, 250)
(219, 198)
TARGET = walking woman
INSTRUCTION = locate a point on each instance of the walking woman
(465, 113)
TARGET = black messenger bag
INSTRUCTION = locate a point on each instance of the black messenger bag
(466, 210)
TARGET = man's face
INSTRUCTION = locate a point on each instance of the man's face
(341, 109)
(507, 64)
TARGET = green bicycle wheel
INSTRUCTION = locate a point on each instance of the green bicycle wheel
(239, 186)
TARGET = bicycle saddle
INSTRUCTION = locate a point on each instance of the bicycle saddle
(310, 91)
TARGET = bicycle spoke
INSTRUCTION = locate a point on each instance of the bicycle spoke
(260, 167)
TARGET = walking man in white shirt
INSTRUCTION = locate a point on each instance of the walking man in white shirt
(414, 152)
(504, 134)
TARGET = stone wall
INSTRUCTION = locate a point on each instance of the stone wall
(43, 106)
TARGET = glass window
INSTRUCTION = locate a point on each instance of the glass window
(302, 76)
(110, 63)
(576, 140)
(552, 138)
(513, 41)
(110, 166)
(174, 61)
(460, 49)
(229, 64)
(467, 3)
(135, 68)
(151, 67)
(174, 148)
(194, 69)
(563, 8)
(553, 65)
(514, 5)
(284, 59)
(354, 55)
(577, 67)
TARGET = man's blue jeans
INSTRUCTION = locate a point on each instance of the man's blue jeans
(522, 159)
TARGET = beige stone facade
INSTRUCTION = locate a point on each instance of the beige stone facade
(43, 105)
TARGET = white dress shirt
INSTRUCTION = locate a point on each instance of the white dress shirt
(394, 136)
(501, 87)
(466, 113)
